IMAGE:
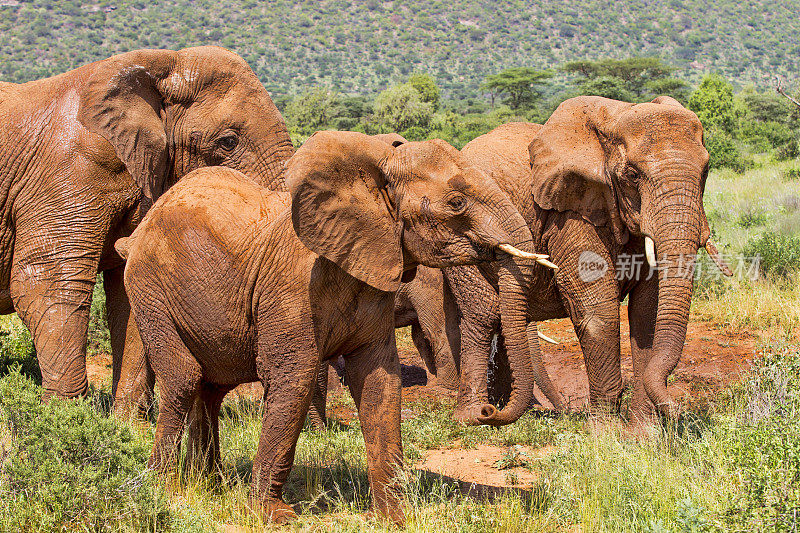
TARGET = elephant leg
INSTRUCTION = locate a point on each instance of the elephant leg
(316, 413)
(179, 377)
(52, 296)
(479, 305)
(423, 347)
(203, 453)
(132, 379)
(592, 301)
(373, 374)
(642, 311)
(288, 387)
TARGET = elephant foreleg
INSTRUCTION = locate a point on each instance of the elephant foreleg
(373, 375)
(288, 380)
(591, 298)
(479, 304)
(53, 301)
(642, 311)
(132, 380)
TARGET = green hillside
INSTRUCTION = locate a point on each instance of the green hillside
(363, 46)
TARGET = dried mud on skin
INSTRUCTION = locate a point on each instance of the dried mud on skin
(712, 359)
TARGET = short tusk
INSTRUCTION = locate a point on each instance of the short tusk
(546, 338)
(650, 251)
(516, 252)
(713, 253)
(548, 264)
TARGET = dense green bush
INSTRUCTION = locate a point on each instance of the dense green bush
(71, 468)
(764, 445)
(713, 103)
(723, 151)
(780, 254)
(16, 348)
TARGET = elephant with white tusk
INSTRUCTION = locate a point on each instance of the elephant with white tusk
(603, 184)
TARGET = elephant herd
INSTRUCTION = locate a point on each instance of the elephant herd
(229, 257)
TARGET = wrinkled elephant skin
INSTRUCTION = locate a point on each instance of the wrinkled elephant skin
(593, 183)
(83, 154)
(229, 285)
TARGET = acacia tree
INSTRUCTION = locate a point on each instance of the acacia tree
(631, 79)
(521, 85)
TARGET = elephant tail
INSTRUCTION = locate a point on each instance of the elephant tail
(123, 246)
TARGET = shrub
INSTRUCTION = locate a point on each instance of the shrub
(790, 150)
(764, 446)
(16, 349)
(723, 151)
(71, 468)
(792, 174)
(780, 254)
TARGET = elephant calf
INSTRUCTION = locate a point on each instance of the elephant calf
(229, 285)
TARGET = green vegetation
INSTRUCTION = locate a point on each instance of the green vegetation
(734, 465)
(69, 466)
(362, 47)
(636, 79)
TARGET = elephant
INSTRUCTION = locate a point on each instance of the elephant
(426, 305)
(607, 188)
(232, 283)
(84, 154)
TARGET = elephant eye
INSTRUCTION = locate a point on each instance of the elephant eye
(457, 203)
(228, 142)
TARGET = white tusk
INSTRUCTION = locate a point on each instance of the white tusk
(547, 263)
(510, 250)
(546, 338)
(516, 252)
(650, 251)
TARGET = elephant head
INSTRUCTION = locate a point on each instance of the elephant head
(378, 211)
(641, 170)
(166, 113)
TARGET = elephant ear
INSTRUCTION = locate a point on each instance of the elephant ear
(122, 102)
(340, 206)
(569, 160)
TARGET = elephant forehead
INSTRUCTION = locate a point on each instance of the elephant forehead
(659, 121)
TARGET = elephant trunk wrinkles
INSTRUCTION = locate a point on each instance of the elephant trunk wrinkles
(515, 277)
(676, 249)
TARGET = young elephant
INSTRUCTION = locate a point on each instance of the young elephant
(228, 286)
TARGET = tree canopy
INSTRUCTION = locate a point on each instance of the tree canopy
(522, 85)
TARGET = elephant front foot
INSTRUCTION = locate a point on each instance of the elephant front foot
(395, 515)
(276, 511)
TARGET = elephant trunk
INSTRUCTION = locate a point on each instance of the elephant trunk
(515, 277)
(676, 244)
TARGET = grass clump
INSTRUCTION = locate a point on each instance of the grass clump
(69, 467)
(779, 254)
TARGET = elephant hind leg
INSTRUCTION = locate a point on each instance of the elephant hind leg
(179, 377)
(203, 453)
